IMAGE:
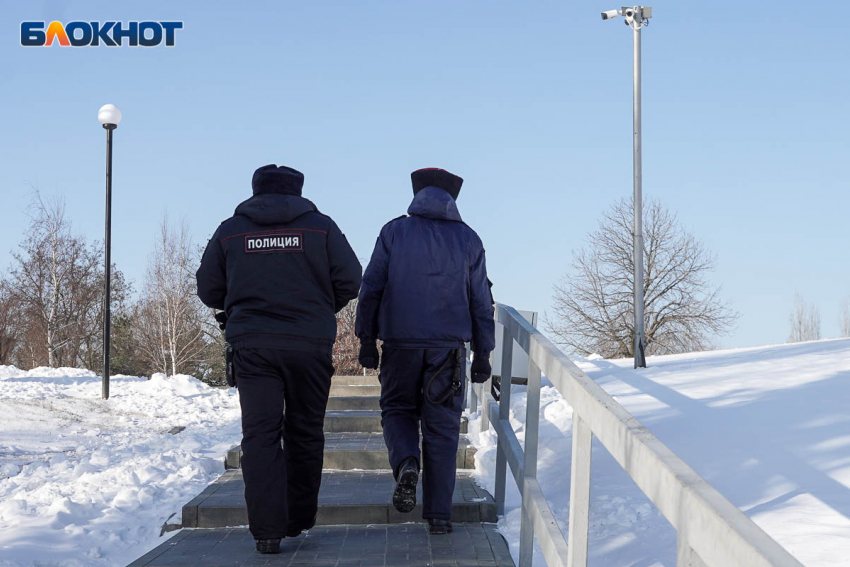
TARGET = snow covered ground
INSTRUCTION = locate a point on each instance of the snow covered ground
(769, 427)
(90, 482)
(85, 481)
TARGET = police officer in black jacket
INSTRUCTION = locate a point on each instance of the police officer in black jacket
(280, 270)
(425, 293)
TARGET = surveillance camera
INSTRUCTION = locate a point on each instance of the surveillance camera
(610, 14)
(628, 13)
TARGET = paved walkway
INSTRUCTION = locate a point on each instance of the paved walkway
(357, 524)
(470, 545)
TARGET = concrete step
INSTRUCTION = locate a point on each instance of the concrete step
(350, 403)
(346, 497)
(344, 390)
(362, 422)
(355, 380)
(352, 421)
(361, 451)
(407, 545)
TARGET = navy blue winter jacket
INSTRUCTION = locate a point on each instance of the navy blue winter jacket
(426, 285)
(281, 270)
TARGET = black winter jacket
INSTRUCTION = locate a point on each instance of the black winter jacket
(426, 285)
(281, 270)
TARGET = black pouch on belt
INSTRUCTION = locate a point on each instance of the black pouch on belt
(229, 374)
(457, 378)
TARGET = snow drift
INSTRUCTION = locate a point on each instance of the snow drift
(89, 482)
(769, 427)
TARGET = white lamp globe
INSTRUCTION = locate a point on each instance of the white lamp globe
(109, 114)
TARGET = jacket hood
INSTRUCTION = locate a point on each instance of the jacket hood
(273, 208)
(434, 203)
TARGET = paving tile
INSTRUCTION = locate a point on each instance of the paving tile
(345, 497)
(357, 525)
(363, 421)
(340, 390)
(355, 380)
(406, 545)
(347, 403)
(359, 450)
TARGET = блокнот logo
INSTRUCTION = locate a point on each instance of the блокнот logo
(94, 34)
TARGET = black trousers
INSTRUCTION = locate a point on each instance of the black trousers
(411, 379)
(284, 395)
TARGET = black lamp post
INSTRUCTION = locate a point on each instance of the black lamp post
(109, 116)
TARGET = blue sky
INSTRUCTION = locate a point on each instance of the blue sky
(746, 116)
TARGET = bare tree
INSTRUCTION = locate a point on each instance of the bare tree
(593, 305)
(10, 324)
(56, 280)
(212, 369)
(51, 305)
(43, 271)
(126, 357)
(87, 346)
(170, 319)
(347, 345)
(844, 318)
(804, 320)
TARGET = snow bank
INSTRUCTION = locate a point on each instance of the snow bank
(768, 427)
(86, 481)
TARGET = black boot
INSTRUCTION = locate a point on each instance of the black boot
(268, 546)
(404, 497)
(295, 530)
(439, 527)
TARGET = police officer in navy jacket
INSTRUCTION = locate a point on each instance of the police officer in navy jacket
(280, 270)
(425, 293)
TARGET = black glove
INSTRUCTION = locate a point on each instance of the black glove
(481, 369)
(221, 318)
(369, 356)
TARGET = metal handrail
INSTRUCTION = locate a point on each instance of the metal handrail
(712, 532)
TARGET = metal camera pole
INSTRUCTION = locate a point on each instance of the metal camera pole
(636, 17)
(109, 116)
(640, 358)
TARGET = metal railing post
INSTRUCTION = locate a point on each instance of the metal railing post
(485, 403)
(579, 492)
(504, 416)
(485, 400)
(473, 394)
(532, 427)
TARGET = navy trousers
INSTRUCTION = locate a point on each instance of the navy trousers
(410, 380)
(284, 395)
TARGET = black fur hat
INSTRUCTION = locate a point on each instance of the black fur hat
(273, 179)
(434, 177)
